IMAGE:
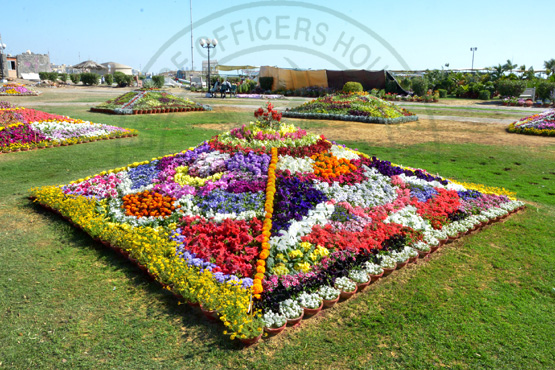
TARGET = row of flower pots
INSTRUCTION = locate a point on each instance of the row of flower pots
(308, 305)
(150, 111)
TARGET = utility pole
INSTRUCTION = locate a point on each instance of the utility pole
(192, 49)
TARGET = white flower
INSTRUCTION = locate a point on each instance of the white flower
(345, 284)
(309, 300)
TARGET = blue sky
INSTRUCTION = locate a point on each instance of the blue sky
(305, 34)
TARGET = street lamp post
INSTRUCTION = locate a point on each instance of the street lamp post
(473, 50)
(208, 44)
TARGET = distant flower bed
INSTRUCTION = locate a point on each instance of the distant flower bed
(147, 101)
(266, 223)
(24, 129)
(15, 89)
(260, 96)
(360, 107)
(538, 124)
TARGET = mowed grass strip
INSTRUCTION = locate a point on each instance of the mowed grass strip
(485, 301)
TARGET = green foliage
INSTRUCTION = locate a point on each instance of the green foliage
(149, 84)
(510, 88)
(442, 93)
(158, 81)
(390, 86)
(122, 79)
(53, 76)
(266, 83)
(75, 78)
(544, 89)
(43, 76)
(351, 87)
(405, 83)
(90, 78)
(63, 77)
(109, 79)
(419, 86)
(484, 95)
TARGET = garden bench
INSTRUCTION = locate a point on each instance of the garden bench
(529, 94)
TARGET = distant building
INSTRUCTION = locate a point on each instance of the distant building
(117, 67)
(29, 62)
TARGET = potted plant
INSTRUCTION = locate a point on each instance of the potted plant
(360, 277)
(274, 323)
(329, 295)
(388, 264)
(347, 287)
(546, 103)
(374, 271)
(423, 249)
(292, 311)
(401, 258)
(208, 306)
(310, 302)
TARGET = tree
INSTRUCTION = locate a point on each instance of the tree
(549, 66)
(509, 66)
(498, 72)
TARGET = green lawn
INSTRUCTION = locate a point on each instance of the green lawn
(483, 302)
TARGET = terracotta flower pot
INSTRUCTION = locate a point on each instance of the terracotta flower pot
(295, 321)
(434, 248)
(211, 315)
(374, 278)
(275, 331)
(423, 254)
(346, 295)
(329, 303)
(413, 259)
(402, 264)
(250, 341)
(309, 312)
(362, 286)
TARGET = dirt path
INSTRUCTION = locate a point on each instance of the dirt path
(423, 131)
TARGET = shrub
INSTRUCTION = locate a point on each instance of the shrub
(53, 76)
(90, 78)
(484, 95)
(510, 88)
(544, 89)
(109, 79)
(158, 81)
(266, 83)
(43, 76)
(419, 86)
(149, 84)
(122, 79)
(442, 93)
(351, 87)
(75, 78)
(63, 77)
(390, 86)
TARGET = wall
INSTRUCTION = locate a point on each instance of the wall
(29, 63)
(4, 66)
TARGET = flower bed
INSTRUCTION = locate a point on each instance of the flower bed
(260, 96)
(266, 222)
(361, 107)
(24, 129)
(147, 101)
(538, 124)
(15, 89)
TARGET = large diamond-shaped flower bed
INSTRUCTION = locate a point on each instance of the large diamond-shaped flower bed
(15, 89)
(538, 124)
(23, 129)
(361, 107)
(147, 101)
(266, 222)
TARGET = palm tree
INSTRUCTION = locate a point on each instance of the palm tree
(497, 72)
(509, 66)
(549, 66)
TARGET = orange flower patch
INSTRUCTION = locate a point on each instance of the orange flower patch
(327, 165)
(147, 204)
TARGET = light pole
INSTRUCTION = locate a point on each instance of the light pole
(473, 50)
(208, 44)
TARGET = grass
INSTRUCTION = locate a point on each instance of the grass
(483, 302)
